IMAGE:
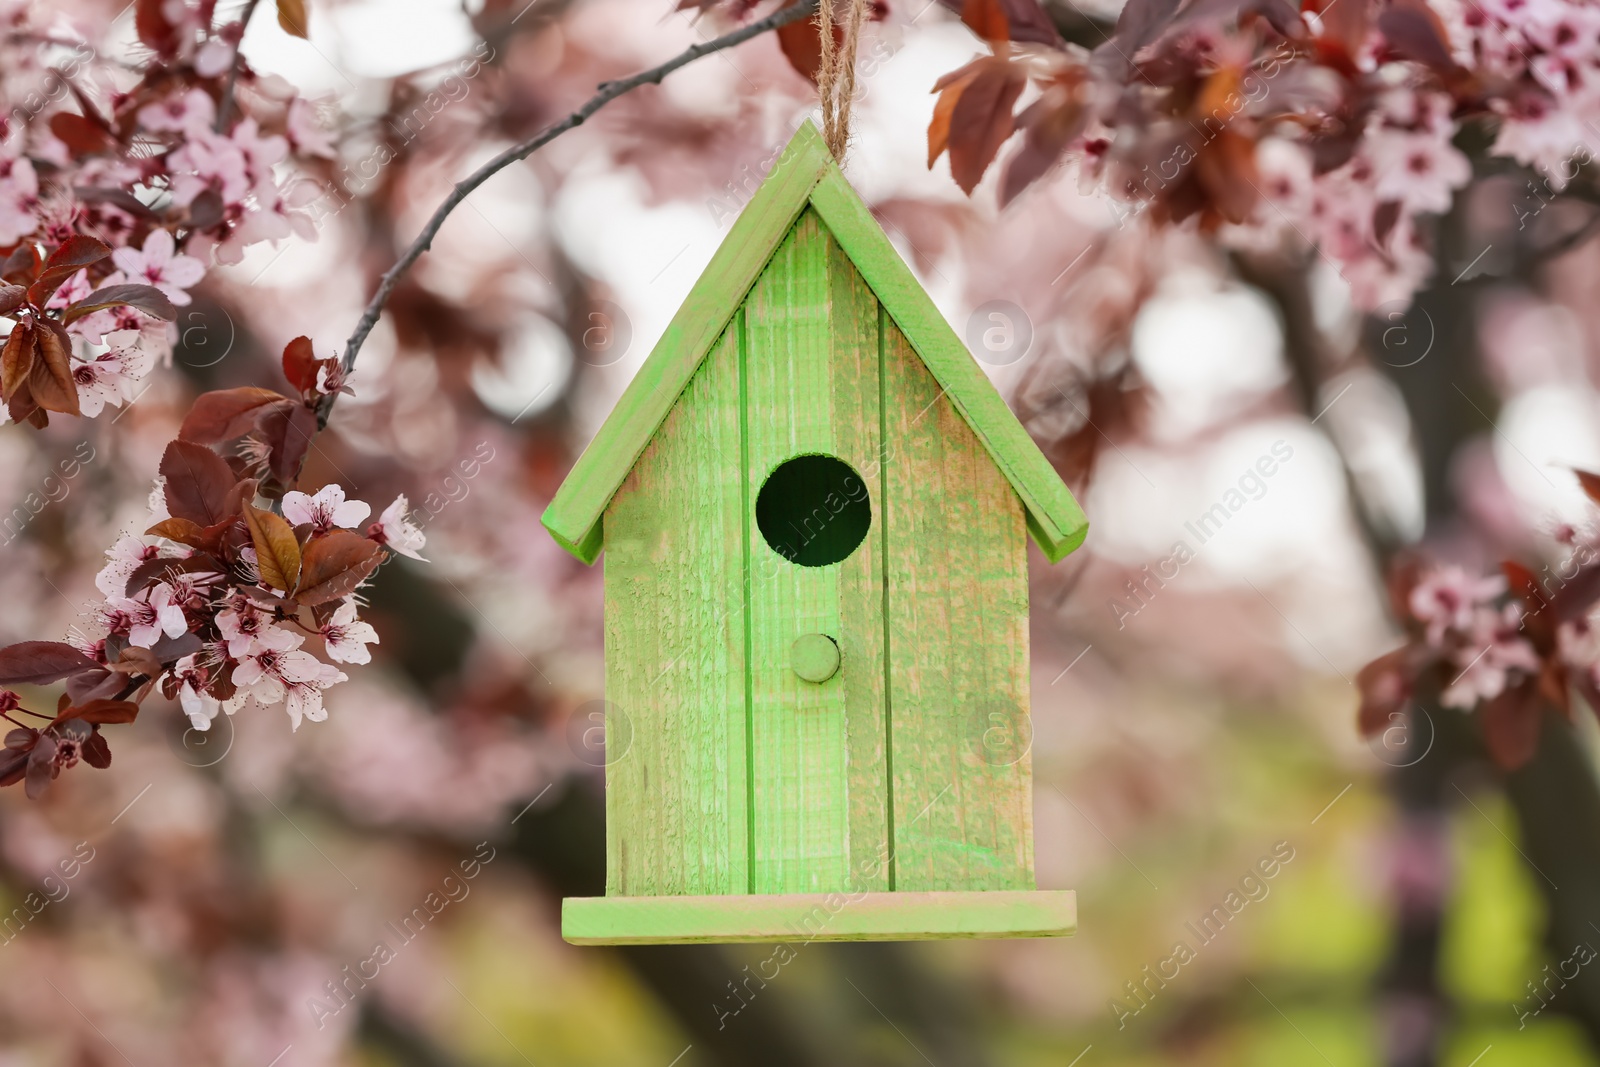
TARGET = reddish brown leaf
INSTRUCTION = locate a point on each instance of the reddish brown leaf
(22, 266)
(334, 564)
(146, 298)
(41, 662)
(198, 483)
(12, 297)
(96, 752)
(292, 17)
(1537, 622)
(980, 119)
(1590, 483)
(1511, 723)
(207, 539)
(103, 712)
(300, 364)
(1006, 20)
(16, 359)
(277, 551)
(1049, 124)
(1385, 685)
(75, 253)
(1416, 33)
(83, 137)
(801, 43)
(223, 414)
(150, 22)
(288, 431)
(51, 381)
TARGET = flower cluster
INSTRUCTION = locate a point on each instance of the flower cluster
(1511, 643)
(115, 200)
(1329, 124)
(227, 616)
(223, 601)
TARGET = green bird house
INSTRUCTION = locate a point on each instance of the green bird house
(814, 509)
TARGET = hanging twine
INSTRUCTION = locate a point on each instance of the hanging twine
(836, 73)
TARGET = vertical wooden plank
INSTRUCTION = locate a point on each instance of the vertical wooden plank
(819, 789)
(957, 591)
(676, 818)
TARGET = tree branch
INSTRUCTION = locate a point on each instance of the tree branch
(607, 92)
(225, 108)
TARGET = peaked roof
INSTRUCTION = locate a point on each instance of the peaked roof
(806, 174)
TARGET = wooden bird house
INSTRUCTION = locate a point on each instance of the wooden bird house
(814, 508)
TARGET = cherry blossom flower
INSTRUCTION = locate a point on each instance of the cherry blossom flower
(200, 706)
(19, 192)
(1495, 648)
(161, 265)
(147, 616)
(327, 509)
(191, 113)
(265, 673)
(1448, 598)
(123, 558)
(305, 696)
(247, 629)
(109, 378)
(305, 132)
(209, 161)
(1578, 645)
(347, 637)
(396, 532)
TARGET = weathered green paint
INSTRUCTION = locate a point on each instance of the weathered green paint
(797, 918)
(958, 593)
(782, 734)
(821, 786)
(806, 175)
(675, 652)
(814, 657)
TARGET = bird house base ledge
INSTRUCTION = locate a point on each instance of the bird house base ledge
(840, 916)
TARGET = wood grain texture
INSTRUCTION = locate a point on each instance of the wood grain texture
(675, 650)
(806, 174)
(958, 656)
(1054, 518)
(574, 514)
(819, 783)
(798, 918)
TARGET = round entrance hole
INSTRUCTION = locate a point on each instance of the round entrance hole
(814, 510)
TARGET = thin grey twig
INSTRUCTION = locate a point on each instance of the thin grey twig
(225, 108)
(607, 92)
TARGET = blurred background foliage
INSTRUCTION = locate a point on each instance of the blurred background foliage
(234, 875)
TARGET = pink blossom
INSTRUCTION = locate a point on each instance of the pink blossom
(305, 132)
(1578, 645)
(1495, 648)
(305, 697)
(160, 264)
(265, 674)
(123, 558)
(200, 706)
(150, 614)
(247, 630)
(1448, 598)
(209, 161)
(327, 509)
(191, 113)
(214, 58)
(260, 153)
(347, 637)
(110, 378)
(1418, 171)
(19, 193)
(396, 532)
(72, 290)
